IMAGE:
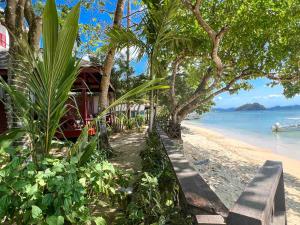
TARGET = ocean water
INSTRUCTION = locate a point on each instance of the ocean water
(255, 127)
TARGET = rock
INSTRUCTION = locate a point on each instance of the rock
(201, 162)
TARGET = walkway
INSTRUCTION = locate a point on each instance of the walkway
(127, 147)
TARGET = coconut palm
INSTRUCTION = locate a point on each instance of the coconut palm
(49, 78)
(150, 38)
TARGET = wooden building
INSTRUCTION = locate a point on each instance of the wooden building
(83, 104)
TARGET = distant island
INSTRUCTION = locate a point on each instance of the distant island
(251, 107)
(256, 106)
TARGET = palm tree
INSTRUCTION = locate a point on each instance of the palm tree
(49, 79)
(150, 38)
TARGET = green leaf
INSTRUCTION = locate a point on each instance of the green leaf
(55, 220)
(11, 135)
(36, 212)
(31, 189)
(50, 33)
(100, 221)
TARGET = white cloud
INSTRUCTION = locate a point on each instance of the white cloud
(275, 96)
(133, 53)
(86, 57)
(269, 96)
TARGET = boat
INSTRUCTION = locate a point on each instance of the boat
(277, 127)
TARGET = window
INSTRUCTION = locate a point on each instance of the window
(2, 40)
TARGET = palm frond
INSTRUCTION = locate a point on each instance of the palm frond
(49, 78)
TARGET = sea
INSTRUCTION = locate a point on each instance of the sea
(255, 128)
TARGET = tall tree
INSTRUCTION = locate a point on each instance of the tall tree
(109, 59)
(236, 44)
(152, 35)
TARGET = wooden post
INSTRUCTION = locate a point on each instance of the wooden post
(84, 106)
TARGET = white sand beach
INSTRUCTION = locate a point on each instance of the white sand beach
(230, 164)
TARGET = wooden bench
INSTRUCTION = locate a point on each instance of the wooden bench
(263, 200)
(199, 197)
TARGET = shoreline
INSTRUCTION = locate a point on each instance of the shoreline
(231, 163)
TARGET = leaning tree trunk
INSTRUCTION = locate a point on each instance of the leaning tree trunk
(107, 67)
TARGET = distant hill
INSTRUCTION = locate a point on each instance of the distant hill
(251, 107)
(289, 107)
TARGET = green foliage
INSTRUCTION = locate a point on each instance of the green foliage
(155, 196)
(57, 192)
(123, 122)
(140, 120)
(49, 79)
(260, 42)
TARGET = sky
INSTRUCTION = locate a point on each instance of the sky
(260, 93)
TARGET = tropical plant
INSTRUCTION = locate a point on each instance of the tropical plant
(150, 38)
(155, 196)
(49, 79)
(57, 191)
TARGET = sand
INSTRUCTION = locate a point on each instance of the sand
(230, 164)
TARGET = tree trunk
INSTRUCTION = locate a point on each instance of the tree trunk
(174, 128)
(16, 12)
(107, 67)
(151, 116)
(109, 60)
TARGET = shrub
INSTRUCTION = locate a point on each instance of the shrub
(58, 191)
(155, 196)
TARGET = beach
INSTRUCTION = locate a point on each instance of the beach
(230, 164)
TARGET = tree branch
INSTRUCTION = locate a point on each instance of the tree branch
(10, 15)
(187, 108)
(20, 16)
(215, 37)
(35, 26)
(198, 92)
(135, 12)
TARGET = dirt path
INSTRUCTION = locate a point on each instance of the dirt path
(127, 147)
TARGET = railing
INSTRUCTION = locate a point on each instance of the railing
(262, 202)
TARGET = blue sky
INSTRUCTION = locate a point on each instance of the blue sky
(261, 93)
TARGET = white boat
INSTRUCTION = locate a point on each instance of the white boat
(277, 127)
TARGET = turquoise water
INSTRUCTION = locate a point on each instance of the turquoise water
(254, 127)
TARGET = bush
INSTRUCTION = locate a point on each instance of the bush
(58, 191)
(140, 120)
(155, 196)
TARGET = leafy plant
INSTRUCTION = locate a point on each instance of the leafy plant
(155, 196)
(57, 192)
(49, 79)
